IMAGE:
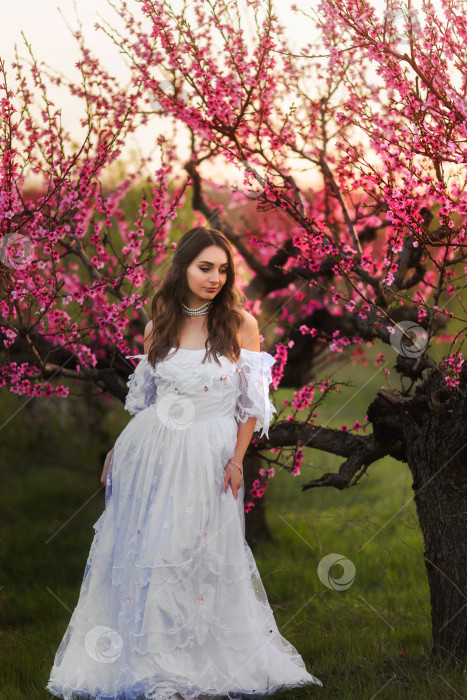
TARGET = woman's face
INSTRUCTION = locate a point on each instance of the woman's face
(206, 275)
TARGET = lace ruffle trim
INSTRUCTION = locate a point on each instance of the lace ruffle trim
(253, 391)
(146, 690)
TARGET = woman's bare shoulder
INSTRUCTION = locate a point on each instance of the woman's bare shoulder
(248, 320)
(247, 317)
(249, 332)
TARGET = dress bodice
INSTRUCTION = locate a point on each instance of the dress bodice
(183, 389)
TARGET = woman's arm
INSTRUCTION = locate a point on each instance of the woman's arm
(232, 472)
(105, 470)
(250, 340)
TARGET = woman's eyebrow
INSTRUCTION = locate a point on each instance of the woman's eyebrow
(210, 263)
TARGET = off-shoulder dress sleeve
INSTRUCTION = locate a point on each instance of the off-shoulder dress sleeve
(142, 389)
(253, 395)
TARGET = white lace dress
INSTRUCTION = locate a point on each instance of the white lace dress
(171, 599)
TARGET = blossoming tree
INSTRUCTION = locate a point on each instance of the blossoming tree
(376, 107)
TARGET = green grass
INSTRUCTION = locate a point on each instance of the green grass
(356, 639)
(371, 640)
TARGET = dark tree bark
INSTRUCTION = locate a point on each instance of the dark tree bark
(440, 486)
(429, 432)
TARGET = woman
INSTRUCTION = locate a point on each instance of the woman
(171, 603)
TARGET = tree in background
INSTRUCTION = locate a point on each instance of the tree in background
(376, 107)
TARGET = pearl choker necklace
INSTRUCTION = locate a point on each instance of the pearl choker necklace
(200, 311)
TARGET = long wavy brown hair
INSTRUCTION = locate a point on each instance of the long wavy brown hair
(224, 317)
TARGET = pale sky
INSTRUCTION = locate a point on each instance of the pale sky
(44, 25)
(45, 28)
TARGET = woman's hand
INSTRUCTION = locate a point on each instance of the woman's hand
(232, 474)
(105, 470)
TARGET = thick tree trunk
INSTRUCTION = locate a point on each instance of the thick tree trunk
(438, 462)
(429, 432)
